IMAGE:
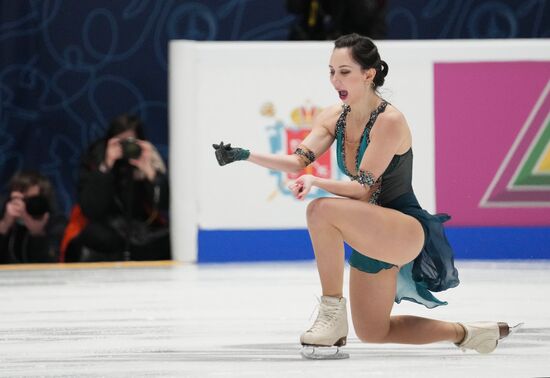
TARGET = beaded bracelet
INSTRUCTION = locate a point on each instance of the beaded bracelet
(366, 178)
(305, 154)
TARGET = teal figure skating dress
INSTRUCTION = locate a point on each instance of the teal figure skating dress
(433, 269)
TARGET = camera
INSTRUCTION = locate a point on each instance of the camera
(37, 206)
(130, 148)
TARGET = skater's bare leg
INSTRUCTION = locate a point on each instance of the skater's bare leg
(371, 300)
(384, 234)
(328, 246)
(387, 235)
(408, 329)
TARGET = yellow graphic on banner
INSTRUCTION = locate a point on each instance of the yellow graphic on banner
(543, 165)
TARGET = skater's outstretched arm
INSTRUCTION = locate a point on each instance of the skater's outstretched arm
(349, 189)
(226, 154)
(285, 163)
(314, 145)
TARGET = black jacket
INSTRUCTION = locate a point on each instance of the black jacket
(19, 246)
(117, 193)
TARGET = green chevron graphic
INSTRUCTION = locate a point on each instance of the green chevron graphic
(535, 167)
(523, 178)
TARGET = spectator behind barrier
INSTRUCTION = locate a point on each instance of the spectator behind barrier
(329, 19)
(30, 227)
(122, 190)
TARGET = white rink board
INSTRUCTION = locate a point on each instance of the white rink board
(218, 88)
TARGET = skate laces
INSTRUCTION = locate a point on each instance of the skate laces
(326, 317)
(315, 308)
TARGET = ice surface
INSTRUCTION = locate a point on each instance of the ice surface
(244, 320)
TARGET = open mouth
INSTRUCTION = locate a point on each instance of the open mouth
(343, 94)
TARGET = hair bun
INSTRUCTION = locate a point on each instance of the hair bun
(383, 68)
(381, 72)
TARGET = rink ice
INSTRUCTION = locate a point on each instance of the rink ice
(244, 320)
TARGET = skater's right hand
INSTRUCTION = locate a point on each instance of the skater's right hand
(301, 186)
(226, 154)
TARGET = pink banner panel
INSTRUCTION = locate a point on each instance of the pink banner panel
(492, 135)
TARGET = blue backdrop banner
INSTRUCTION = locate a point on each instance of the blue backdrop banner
(68, 67)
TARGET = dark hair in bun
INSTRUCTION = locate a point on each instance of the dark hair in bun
(365, 53)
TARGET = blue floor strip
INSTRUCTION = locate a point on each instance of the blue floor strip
(294, 244)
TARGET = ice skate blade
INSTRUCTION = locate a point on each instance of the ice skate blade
(506, 330)
(515, 328)
(323, 353)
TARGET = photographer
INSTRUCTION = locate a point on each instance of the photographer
(30, 229)
(122, 191)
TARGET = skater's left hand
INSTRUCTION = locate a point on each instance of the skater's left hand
(301, 187)
(226, 154)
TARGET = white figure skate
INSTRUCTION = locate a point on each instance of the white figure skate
(329, 330)
(483, 337)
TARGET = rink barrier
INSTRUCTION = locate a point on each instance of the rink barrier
(92, 265)
(264, 95)
(480, 243)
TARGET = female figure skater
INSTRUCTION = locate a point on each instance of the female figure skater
(399, 250)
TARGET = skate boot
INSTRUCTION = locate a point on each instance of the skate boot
(330, 329)
(483, 337)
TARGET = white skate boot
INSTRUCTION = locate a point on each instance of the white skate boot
(483, 337)
(329, 329)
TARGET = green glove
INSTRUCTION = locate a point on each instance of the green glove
(227, 154)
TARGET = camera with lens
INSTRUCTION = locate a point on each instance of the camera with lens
(37, 206)
(130, 148)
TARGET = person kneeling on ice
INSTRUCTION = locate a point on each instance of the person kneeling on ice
(400, 251)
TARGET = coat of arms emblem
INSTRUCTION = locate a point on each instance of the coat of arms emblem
(285, 137)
